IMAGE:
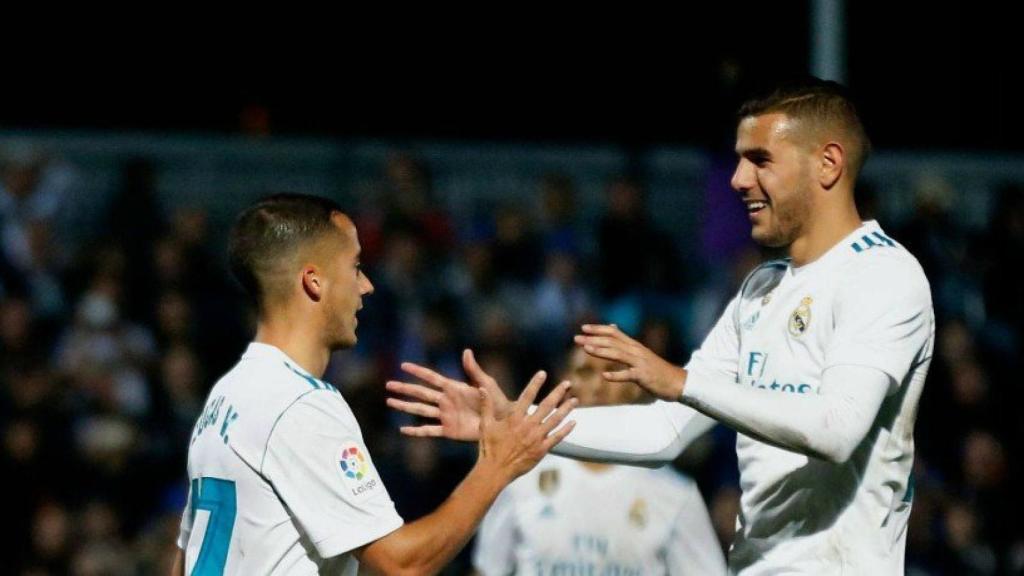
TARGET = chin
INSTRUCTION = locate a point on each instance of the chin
(767, 239)
(345, 343)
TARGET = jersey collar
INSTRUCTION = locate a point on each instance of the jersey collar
(841, 251)
(269, 351)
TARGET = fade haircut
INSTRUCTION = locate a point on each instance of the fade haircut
(269, 235)
(821, 105)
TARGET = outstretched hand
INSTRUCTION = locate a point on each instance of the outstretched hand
(643, 367)
(513, 444)
(454, 406)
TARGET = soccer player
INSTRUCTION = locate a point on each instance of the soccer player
(818, 362)
(280, 478)
(570, 517)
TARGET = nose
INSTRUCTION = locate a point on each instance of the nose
(365, 286)
(743, 178)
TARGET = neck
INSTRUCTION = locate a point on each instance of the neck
(829, 224)
(296, 338)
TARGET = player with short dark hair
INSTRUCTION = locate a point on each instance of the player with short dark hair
(818, 362)
(280, 478)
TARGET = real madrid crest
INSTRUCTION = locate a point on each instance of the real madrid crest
(638, 513)
(800, 320)
(548, 481)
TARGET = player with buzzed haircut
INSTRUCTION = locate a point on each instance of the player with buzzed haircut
(280, 478)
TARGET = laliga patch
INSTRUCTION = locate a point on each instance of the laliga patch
(356, 473)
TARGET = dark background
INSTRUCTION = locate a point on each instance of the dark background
(927, 75)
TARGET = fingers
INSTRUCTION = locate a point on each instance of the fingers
(558, 435)
(474, 371)
(552, 400)
(613, 354)
(602, 341)
(610, 330)
(425, 374)
(557, 416)
(627, 375)
(426, 431)
(530, 393)
(417, 391)
(415, 408)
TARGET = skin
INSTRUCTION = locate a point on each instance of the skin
(804, 174)
(801, 172)
(317, 316)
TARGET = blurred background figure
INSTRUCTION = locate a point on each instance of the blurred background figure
(572, 517)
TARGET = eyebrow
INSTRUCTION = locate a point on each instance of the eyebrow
(755, 153)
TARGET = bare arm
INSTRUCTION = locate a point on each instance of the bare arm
(659, 432)
(178, 567)
(508, 448)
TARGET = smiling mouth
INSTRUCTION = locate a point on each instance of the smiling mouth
(755, 206)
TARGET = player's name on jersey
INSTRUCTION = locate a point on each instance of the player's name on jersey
(210, 416)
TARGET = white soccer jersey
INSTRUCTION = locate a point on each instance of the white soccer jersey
(866, 302)
(561, 518)
(280, 479)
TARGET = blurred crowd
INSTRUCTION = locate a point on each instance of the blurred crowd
(109, 344)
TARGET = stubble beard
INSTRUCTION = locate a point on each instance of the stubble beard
(788, 220)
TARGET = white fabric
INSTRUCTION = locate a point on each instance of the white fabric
(865, 303)
(297, 511)
(648, 435)
(827, 425)
(562, 518)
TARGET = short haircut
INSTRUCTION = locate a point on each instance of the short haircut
(821, 103)
(268, 236)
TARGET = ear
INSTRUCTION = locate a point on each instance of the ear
(833, 164)
(312, 284)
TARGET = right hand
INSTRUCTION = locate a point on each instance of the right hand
(513, 444)
(453, 404)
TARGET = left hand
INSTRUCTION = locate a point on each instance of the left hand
(645, 368)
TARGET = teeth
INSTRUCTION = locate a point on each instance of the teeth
(756, 205)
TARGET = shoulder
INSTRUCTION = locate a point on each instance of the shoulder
(763, 279)
(885, 267)
(271, 396)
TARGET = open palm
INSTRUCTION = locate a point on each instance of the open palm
(454, 406)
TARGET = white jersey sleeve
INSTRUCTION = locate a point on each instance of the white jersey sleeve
(317, 463)
(497, 538)
(694, 549)
(660, 431)
(883, 318)
(657, 433)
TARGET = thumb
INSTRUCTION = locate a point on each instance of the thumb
(476, 374)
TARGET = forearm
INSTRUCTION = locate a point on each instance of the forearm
(178, 566)
(641, 435)
(828, 425)
(429, 544)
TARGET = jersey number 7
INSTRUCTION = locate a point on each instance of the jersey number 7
(217, 497)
